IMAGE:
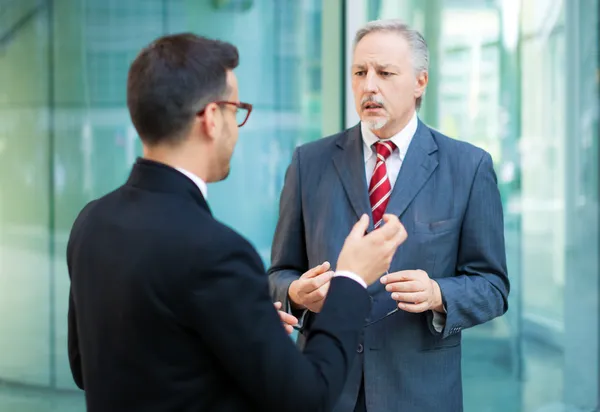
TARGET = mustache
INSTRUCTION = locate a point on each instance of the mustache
(372, 99)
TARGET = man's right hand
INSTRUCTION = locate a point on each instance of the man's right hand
(309, 291)
(369, 256)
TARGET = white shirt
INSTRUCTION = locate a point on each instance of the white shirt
(199, 182)
(393, 164)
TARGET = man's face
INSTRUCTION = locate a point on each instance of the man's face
(227, 127)
(384, 82)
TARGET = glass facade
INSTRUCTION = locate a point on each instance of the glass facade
(66, 138)
(517, 77)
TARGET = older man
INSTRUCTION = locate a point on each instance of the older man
(451, 272)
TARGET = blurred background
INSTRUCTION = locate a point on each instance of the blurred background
(519, 78)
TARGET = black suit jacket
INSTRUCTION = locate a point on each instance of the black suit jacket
(169, 310)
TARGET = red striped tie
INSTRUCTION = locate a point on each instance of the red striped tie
(380, 188)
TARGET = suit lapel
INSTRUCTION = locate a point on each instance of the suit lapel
(350, 164)
(418, 165)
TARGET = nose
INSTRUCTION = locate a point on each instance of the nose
(370, 85)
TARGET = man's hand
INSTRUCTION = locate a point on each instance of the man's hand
(414, 291)
(288, 320)
(369, 256)
(310, 290)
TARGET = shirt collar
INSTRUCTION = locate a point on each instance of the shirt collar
(401, 139)
(199, 182)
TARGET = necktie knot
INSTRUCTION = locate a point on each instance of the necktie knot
(384, 149)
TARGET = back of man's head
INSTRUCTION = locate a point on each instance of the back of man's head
(171, 80)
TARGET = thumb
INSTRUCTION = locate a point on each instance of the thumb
(360, 227)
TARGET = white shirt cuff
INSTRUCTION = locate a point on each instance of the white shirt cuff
(438, 321)
(352, 276)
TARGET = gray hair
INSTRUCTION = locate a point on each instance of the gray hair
(416, 42)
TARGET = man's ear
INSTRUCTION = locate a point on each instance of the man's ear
(209, 123)
(421, 84)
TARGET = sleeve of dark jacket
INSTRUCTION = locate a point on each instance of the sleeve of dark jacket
(227, 302)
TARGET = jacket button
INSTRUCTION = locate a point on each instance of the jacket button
(360, 348)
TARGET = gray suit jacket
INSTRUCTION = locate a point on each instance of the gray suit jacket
(447, 197)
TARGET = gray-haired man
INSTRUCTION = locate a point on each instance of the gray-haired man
(449, 275)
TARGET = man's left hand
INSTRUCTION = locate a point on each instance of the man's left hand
(414, 291)
(287, 320)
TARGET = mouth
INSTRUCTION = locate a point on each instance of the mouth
(372, 107)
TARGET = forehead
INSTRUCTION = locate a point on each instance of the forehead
(382, 48)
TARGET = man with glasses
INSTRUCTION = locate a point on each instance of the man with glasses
(169, 309)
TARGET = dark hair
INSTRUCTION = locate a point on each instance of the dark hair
(172, 79)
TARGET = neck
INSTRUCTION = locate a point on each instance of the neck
(181, 157)
(394, 127)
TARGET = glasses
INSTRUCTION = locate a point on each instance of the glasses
(242, 112)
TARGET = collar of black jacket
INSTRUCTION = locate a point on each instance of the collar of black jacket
(159, 177)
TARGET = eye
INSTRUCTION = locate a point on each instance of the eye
(386, 74)
(359, 73)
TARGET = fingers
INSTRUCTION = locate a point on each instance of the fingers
(388, 231)
(392, 234)
(410, 286)
(312, 281)
(318, 281)
(387, 217)
(317, 295)
(360, 227)
(285, 317)
(411, 297)
(317, 270)
(391, 227)
(400, 235)
(414, 308)
(401, 276)
(288, 319)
